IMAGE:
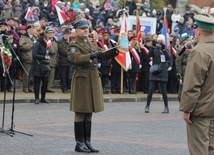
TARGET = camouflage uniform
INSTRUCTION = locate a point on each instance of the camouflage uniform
(181, 62)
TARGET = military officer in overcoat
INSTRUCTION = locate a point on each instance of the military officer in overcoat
(86, 87)
(197, 98)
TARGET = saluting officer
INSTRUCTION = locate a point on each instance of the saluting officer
(86, 87)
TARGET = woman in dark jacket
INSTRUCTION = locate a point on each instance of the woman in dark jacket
(40, 57)
(159, 55)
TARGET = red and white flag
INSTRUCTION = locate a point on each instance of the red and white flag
(28, 13)
(49, 43)
(123, 58)
(53, 3)
(61, 15)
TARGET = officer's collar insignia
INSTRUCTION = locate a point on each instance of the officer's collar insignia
(72, 50)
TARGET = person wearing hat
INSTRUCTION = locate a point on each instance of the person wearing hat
(86, 87)
(159, 75)
(197, 97)
(25, 43)
(64, 64)
(53, 53)
(3, 27)
(135, 64)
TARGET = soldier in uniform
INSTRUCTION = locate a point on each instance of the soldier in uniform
(181, 62)
(197, 98)
(86, 87)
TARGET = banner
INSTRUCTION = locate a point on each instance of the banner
(123, 58)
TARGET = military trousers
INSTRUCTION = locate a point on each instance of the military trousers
(200, 136)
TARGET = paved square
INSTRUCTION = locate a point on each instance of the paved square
(122, 129)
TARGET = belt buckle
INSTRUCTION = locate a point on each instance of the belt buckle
(95, 66)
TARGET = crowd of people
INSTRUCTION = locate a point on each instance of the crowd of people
(104, 21)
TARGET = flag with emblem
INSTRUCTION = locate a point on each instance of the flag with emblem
(61, 15)
(123, 58)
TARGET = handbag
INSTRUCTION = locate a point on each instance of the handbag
(155, 69)
(44, 67)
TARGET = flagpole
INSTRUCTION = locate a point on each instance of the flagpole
(121, 83)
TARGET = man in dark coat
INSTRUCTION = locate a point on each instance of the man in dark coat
(86, 87)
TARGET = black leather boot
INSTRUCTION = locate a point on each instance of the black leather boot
(88, 137)
(79, 137)
(166, 110)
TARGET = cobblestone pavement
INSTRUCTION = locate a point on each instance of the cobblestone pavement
(122, 129)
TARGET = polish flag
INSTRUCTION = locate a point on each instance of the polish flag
(49, 43)
(28, 13)
(61, 15)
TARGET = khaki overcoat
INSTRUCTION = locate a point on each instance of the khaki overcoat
(197, 96)
(86, 87)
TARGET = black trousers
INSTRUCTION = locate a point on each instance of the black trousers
(64, 80)
(152, 88)
(115, 81)
(37, 82)
(132, 82)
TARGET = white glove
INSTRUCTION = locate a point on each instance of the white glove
(150, 63)
(140, 66)
(169, 68)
